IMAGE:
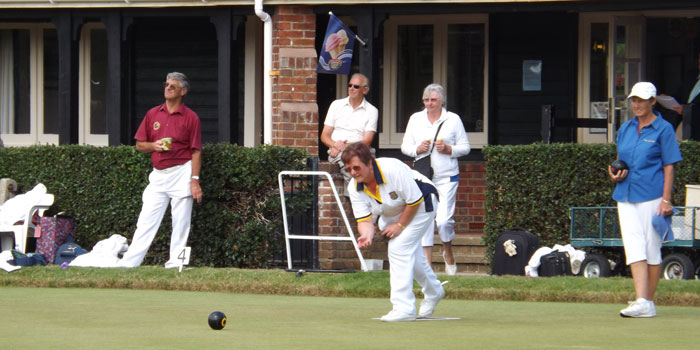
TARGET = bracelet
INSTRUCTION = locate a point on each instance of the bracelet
(402, 226)
(665, 201)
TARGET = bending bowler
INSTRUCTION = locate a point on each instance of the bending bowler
(402, 199)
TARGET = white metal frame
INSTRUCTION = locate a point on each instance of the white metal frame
(287, 236)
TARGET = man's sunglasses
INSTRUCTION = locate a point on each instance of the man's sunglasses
(168, 85)
(354, 86)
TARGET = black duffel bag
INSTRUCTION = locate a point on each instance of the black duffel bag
(555, 263)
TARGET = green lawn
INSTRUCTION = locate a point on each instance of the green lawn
(88, 318)
(373, 284)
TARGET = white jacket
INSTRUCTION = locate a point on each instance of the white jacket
(452, 133)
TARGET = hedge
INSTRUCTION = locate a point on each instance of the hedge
(236, 224)
(534, 186)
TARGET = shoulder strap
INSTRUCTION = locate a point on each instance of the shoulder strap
(435, 138)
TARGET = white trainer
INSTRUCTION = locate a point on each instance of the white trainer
(427, 306)
(396, 316)
(450, 270)
(639, 308)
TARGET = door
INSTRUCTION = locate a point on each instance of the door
(611, 50)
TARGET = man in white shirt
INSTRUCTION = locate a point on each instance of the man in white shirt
(350, 119)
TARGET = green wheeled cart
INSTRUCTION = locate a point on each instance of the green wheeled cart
(596, 230)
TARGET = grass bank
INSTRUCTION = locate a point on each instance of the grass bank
(362, 284)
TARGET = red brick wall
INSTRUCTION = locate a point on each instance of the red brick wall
(470, 213)
(294, 108)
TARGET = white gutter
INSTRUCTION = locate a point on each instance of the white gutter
(267, 67)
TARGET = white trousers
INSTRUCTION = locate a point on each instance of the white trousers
(168, 186)
(638, 235)
(444, 215)
(406, 263)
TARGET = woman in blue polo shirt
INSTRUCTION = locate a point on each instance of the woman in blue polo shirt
(386, 188)
(647, 143)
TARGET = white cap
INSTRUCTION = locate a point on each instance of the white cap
(644, 90)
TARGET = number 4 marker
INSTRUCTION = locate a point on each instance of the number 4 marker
(184, 257)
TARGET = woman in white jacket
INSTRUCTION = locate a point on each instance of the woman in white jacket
(450, 144)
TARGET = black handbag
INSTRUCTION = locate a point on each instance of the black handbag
(423, 165)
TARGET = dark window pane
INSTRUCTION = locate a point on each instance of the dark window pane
(620, 55)
(414, 70)
(98, 81)
(14, 81)
(50, 82)
(599, 62)
(465, 74)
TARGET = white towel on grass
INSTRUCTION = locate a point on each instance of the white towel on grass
(105, 253)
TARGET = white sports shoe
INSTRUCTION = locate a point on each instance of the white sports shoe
(395, 316)
(427, 306)
(450, 270)
(639, 308)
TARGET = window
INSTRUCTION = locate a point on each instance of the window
(28, 84)
(93, 85)
(450, 50)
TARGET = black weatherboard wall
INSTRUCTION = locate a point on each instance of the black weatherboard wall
(186, 45)
(514, 37)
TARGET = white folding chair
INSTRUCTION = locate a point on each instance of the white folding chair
(21, 231)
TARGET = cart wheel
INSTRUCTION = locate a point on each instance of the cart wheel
(677, 267)
(697, 269)
(595, 266)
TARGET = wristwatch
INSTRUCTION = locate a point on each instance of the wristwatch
(196, 177)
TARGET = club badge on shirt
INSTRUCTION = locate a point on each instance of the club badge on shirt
(156, 125)
(393, 195)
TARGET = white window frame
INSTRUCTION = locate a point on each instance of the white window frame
(36, 88)
(391, 139)
(253, 82)
(84, 135)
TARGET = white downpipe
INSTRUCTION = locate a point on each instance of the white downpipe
(267, 67)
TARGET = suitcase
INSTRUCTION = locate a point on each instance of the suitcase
(555, 263)
(512, 252)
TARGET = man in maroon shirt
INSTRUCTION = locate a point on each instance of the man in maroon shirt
(171, 133)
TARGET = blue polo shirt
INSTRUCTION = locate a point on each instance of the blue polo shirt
(646, 153)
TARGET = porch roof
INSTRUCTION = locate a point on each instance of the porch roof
(53, 4)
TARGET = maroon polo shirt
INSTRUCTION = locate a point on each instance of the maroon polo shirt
(182, 125)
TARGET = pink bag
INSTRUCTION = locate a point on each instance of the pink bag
(54, 231)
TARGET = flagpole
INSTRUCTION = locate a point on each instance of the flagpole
(357, 37)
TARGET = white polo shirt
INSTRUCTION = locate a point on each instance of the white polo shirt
(397, 188)
(348, 123)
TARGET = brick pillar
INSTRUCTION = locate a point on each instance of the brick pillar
(470, 212)
(294, 108)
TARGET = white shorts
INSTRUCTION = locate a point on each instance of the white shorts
(638, 235)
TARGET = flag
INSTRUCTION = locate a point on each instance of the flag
(336, 52)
